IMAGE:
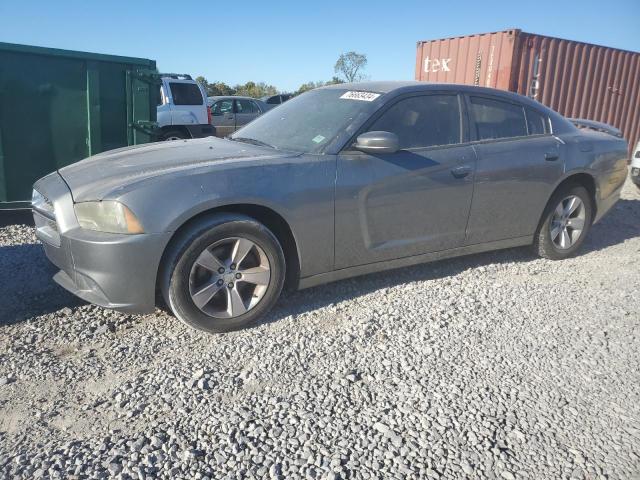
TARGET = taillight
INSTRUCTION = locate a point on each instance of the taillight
(209, 114)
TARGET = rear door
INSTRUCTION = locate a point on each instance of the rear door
(223, 117)
(246, 111)
(519, 162)
(188, 105)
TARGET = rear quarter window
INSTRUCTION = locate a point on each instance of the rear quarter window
(537, 123)
(185, 93)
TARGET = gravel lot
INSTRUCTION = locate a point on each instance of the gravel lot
(497, 365)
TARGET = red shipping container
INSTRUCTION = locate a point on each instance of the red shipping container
(579, 80)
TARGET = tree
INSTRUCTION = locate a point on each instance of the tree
(255, 90)
(215, 88)
(349, 65)
(305, 87)
(203, 81)
(219, 88)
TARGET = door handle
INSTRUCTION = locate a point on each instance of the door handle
(551, 156)
(461, 172)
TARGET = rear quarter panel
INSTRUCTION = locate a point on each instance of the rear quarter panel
(602, 156)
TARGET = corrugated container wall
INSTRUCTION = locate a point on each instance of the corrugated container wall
(60, 106)
(579, 80)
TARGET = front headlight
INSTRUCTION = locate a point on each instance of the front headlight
(107, 216)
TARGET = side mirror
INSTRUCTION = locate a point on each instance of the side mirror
(377, 142)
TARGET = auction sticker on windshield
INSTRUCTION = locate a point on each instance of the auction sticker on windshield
(364, 96)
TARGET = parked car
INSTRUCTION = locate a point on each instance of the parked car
(340, 181)
(635, 166)
(230, 113)
(275, 100)
(182, 109)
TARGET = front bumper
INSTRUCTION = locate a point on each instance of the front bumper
(111, 270)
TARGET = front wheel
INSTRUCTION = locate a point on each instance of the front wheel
(224, 274)
(565, 223)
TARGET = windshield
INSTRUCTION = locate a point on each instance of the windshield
(309, 122)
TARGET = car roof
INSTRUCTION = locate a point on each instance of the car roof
(379, 86)
(397, 87)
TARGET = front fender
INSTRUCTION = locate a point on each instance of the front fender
(301, 192)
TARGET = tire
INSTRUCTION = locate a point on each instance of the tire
(214, 239)
(547, 247)
(173, 135)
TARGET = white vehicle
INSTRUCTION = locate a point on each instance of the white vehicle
(635, 166)
(182, 109)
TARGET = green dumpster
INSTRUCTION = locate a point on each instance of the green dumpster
(60, 106)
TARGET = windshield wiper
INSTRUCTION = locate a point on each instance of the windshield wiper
(252, 141)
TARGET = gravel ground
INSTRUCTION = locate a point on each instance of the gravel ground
(497, 365)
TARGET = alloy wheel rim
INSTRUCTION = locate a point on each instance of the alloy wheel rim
(567, 222)
(229, 278)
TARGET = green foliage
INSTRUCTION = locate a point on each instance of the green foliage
(203, 81)
(305, 87)
(250, 89)
(350, 66)
(255, 90)
(219, 88)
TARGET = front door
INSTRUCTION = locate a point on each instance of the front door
(519, 162)
(223, 117)
(411, 202)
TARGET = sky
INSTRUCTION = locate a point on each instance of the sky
(287, 43)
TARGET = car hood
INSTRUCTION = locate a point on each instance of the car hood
(106, 173)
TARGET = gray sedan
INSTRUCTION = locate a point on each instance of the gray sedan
(340, 181)
(228, 114)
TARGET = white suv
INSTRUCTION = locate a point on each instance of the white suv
(635, 166)
(182, 109)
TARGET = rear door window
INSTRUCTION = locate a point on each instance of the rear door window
(246, 106)
(537, 124)
(422, 121)
(185, 93)
(497, 119)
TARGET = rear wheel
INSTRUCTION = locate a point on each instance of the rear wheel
(224, 274)
(565, 223)
(173, 135)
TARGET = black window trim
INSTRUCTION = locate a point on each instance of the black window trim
(473, 131)
(464, 123)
